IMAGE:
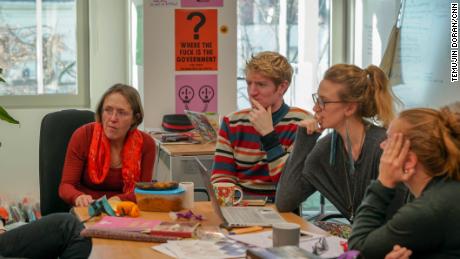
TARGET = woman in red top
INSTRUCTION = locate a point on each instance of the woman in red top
(109, 156)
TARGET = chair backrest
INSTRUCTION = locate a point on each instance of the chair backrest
(55, 132)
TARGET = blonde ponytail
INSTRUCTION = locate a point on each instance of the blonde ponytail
(382, 95)
(451, 138)
(369, 87)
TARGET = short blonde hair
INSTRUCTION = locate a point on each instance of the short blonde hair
(272, 65)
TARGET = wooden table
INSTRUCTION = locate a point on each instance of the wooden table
(107, 248)
(189, 149)
(184, 149)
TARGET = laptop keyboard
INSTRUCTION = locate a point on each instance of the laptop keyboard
(271, 216)
(242, 215)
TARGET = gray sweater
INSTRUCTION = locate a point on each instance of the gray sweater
(308, 170)
(429, 225)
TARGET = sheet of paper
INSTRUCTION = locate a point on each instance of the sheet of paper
(333, 243)
(260, 239)
(203, 249)
(264, 239)
(163, 248)
(307, 241)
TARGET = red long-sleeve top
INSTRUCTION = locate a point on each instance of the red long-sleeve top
(75, 178)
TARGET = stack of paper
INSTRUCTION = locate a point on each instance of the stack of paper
(203, 249)
(175, 229)
(308, 241)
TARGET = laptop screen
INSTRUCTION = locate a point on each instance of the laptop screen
(207, 183)
(238, 216)
(202, 124)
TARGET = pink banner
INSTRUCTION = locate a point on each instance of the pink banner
(202, 3)
(196, 93)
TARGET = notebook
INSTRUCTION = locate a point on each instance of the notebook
(239, 216)
(125, 224)
(203, 125)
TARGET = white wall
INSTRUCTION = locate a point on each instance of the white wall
(108, 65)
(109, 52)
(159, 66)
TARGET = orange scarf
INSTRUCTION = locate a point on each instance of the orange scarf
(99, 157)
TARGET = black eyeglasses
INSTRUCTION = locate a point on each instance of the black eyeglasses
(321, 103)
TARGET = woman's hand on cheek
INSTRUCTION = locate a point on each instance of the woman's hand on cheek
(391, 170)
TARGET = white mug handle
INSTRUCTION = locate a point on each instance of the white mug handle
(241, 195)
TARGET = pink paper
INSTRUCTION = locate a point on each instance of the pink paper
(125, 223)
(196, 93)
(202, 3)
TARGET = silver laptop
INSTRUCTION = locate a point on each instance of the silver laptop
(202, 124)
(239, 216)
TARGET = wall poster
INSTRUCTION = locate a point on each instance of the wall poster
(196, 93)
(196, 39)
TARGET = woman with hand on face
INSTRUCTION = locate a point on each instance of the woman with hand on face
(423, 152)
(341, 164)
(109, 156)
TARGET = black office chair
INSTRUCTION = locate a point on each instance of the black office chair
(55, 132)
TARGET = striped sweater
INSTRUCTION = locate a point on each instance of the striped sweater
(242, 155)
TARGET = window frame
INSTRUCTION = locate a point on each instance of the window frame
(83, 84)
(342, 24)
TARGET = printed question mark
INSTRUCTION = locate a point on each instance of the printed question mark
(199, 24)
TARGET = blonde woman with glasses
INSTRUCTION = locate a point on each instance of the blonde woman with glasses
(356, 105)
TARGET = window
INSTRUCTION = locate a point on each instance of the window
(136, 42)
(44, 52)
(297, 29)
(373, 22)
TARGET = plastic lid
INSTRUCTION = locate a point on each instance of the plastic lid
(178, 190)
